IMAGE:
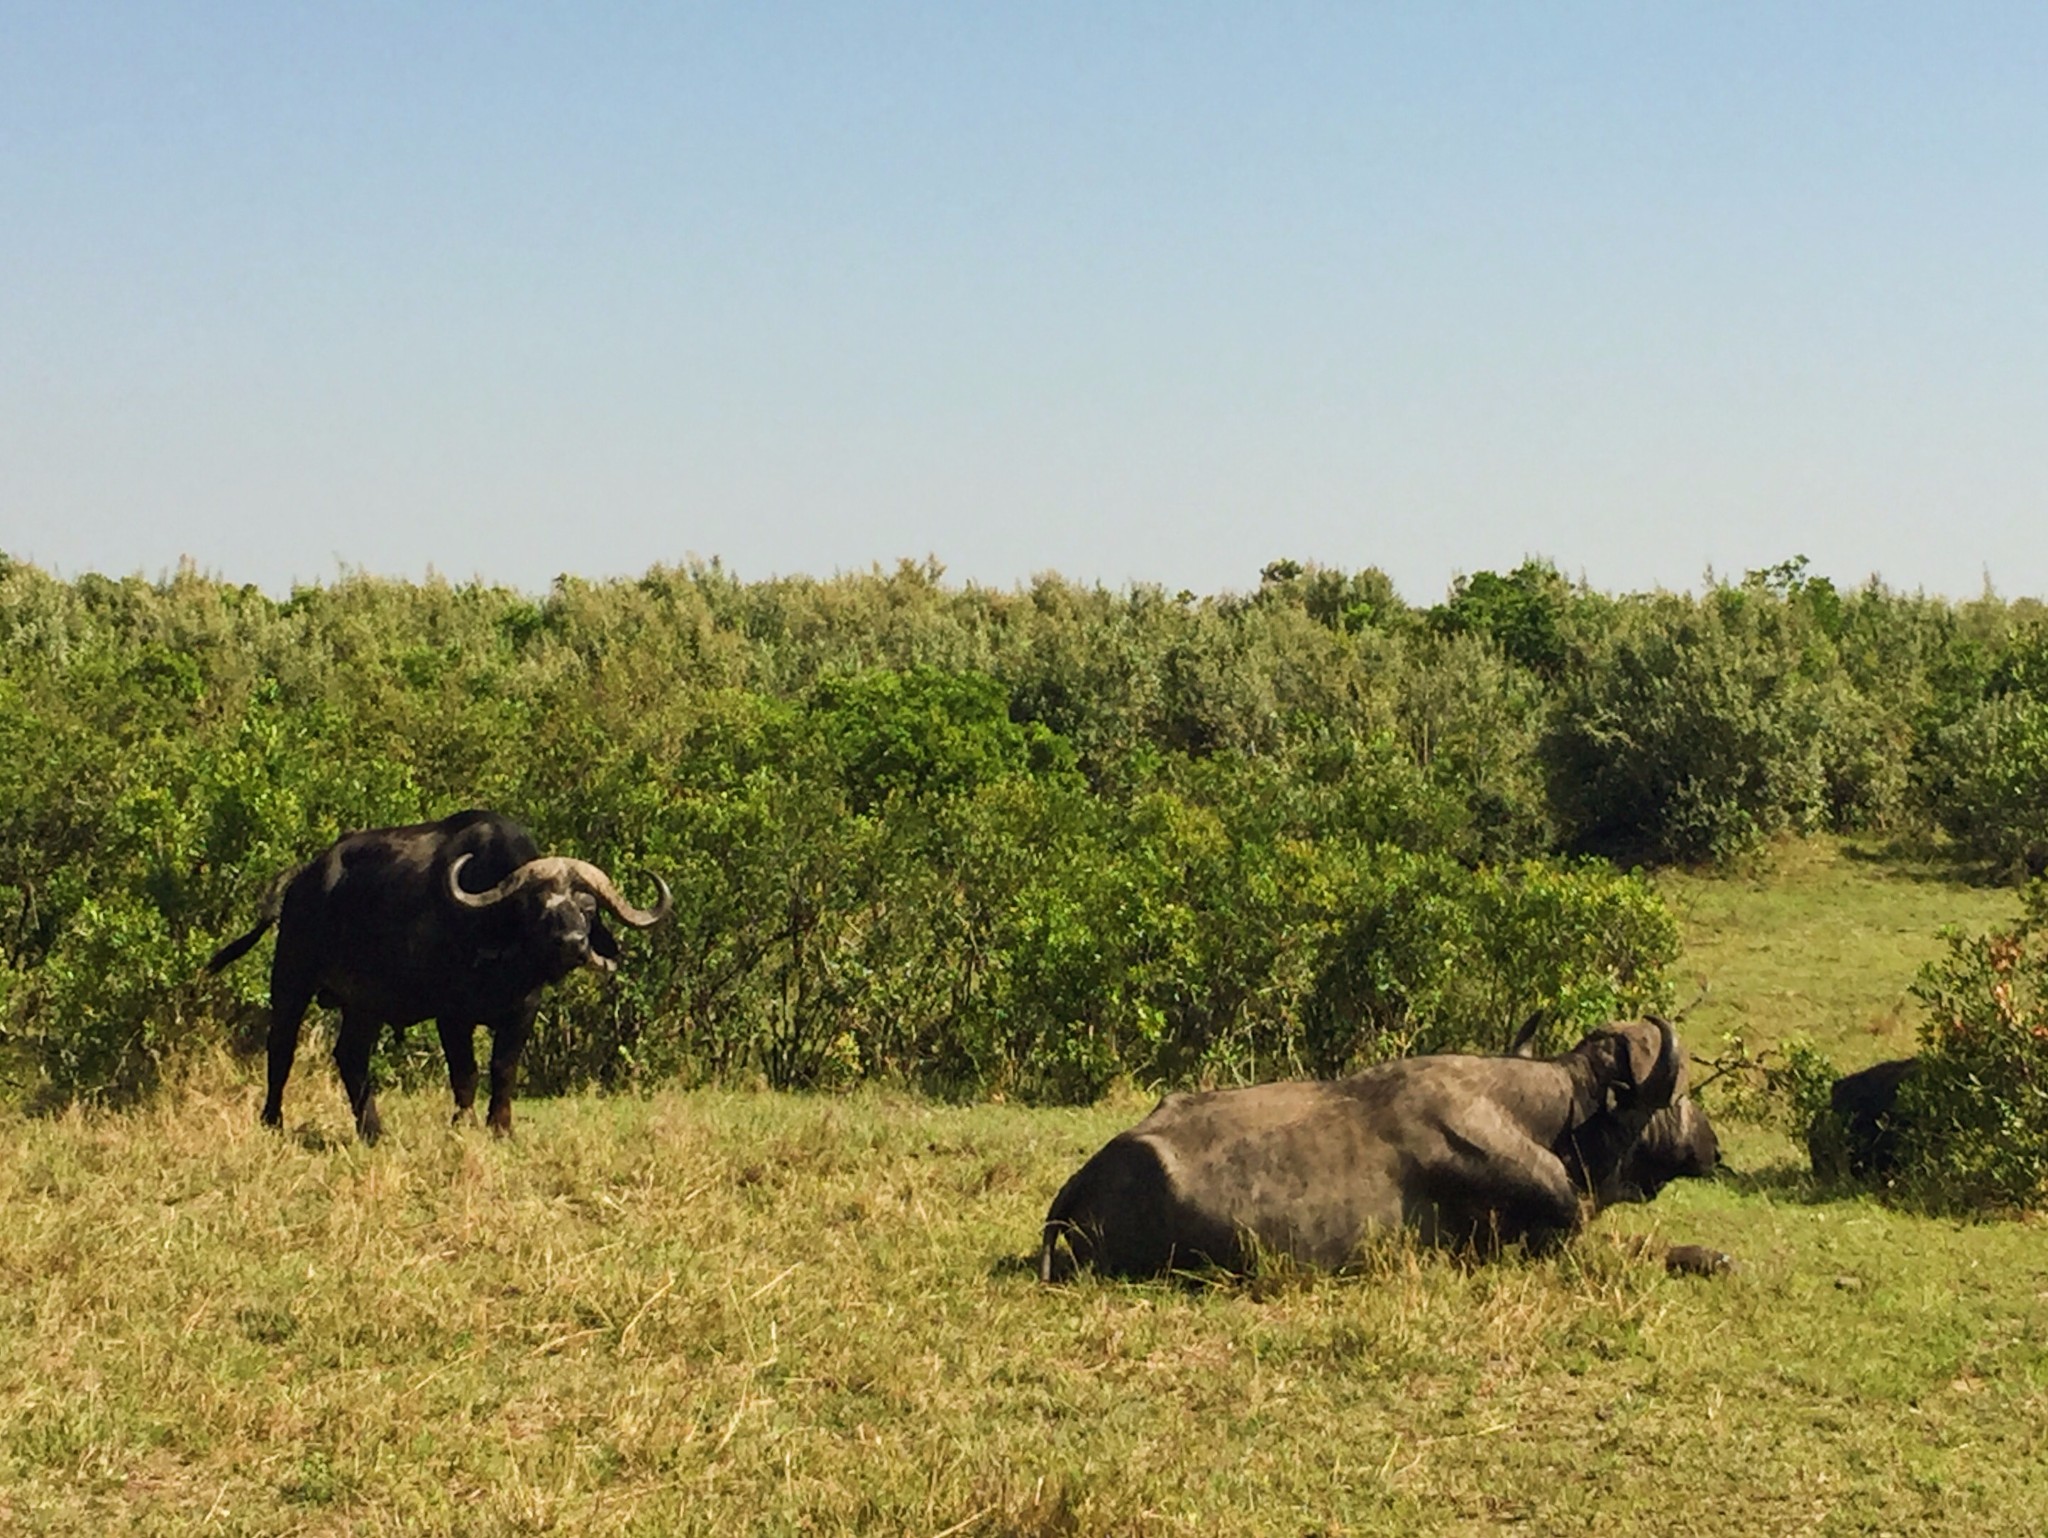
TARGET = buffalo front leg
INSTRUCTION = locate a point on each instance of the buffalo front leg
(1534, 1206)
(458, 1045)
(353, 1044)
(507, 1042)
(1503, 1189)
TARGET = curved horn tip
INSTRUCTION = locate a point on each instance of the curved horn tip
(463, 895)
(1668, 1072)
(647, 918)
(661, 909)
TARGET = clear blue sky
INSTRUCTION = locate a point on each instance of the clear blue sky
(1155, 292)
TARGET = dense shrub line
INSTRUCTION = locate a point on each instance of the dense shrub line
(1012, 842)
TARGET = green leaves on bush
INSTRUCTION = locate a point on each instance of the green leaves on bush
(989, 842)
(1986, 769)
(1973, 1118)
(1684, 741)
(1425, 955)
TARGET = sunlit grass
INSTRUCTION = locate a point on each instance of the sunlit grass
(1820, 938)
(723, 1313)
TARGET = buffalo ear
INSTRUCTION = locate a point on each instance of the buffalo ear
(1642, 1046)
(602, 941)
(1654, 1062)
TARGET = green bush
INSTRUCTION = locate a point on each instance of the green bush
(1691, 733)
(1427, 955)
(1985, 764)
(1530, 614)
(983, 842)
(1973, 1118)
(1986, 778)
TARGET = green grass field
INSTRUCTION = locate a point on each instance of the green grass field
(734, 1313)
(1821, 940)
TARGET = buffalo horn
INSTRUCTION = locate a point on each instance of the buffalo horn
(1661, 1087)
(523, 876)
(548, 870)
(1524, 1044)
(593, 880)
(554, 870)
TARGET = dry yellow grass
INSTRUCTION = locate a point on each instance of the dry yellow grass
(753, 1313)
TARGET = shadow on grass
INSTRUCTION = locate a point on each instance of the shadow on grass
(1786, 1180)
(319, 1139)
(1004, 1267)
(1922, 857)
(1384, 1256)
(1795, 1183)
(1067, 1273)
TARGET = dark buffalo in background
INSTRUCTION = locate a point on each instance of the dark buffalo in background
(1462, 1149)
(461, 921)
(1861, 1128)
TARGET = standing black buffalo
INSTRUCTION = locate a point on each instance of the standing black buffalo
(462, 921)
(1463, 1149)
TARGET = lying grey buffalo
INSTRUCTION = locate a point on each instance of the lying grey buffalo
(1463, 1149)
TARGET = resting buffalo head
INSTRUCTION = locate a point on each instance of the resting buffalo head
(1636, 1129)
(556, 900)
(1678, 1142)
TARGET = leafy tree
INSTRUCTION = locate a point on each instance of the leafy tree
(1528, 614)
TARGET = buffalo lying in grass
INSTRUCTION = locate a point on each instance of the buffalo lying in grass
(461, 921)
(1859, 1132)
(1462, 1149)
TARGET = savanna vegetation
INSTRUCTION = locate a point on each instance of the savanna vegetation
(937, 846)
(981, 842)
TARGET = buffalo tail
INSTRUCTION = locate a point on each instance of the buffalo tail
(273, 906)
(235, 949)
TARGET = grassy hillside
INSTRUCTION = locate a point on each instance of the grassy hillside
(711, 1312)
(1820, 939)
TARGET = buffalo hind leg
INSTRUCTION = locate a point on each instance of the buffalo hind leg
(508, 1040)
(353, 1044)
(288, 1004)
(458, 1045)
